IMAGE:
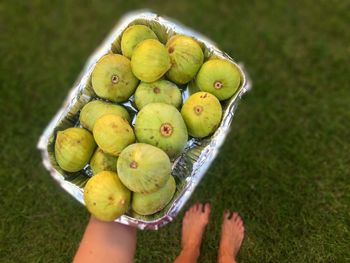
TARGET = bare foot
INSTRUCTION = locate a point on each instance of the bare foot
(193, 225)
(232, 234)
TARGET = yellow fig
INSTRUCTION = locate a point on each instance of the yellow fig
(113, 79)
(113, 133)
(132, 36)
(143, 168)
(101, 161)
(202, 114)
(106, 197)
(219, 77)
(186, 58)
(150, 60)
(96, 109)
(73, 148)
(148, 204)
(159, 91)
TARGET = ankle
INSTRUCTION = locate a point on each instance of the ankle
(224, 257)
(191, 253)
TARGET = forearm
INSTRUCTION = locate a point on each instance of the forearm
(106, 242)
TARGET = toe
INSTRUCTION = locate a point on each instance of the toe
(207, 208)
(193, 208)
(196, 207)
(239, 223)
(226, 215)
(234, 216)
(200, 207)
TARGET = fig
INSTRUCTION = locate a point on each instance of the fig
(96, 109)
(150, 60)
(219, 77)
(101, 161)
(158, 91)
(106, 197)
(132, 36)
(73, 148)
(143, 168)
(161, 125)
(113, 79)
(147, 204)
(112, 134)
(186, 58)
(202, 114)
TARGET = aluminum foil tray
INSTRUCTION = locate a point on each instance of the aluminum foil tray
(188, 169)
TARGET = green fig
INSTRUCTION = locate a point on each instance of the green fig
(113, 79)
(158, 91)
(106, 197)
(143, 168)
(219, 77)
(150, 60)
(186, 58)
(113, 133)
(202, 114)
(73, 148)
(132, 36)
(161, 125)
(148, 204)
(101, 161)
(96, 109)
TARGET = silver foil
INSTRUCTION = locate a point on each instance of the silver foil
(189, 168)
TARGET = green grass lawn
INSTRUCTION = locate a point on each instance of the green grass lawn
(285, 166)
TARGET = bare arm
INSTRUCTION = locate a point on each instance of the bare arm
(106, 242)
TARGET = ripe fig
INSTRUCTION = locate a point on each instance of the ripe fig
(101, 161)
(96, 109)
(150, 60)
(106, 197)
(186, 58)
(202, 114)
(113, 79)
(219, 77)
(113, 133)
(161, 125)
(143, 168)
(73, 148)
(132, 36)
(159, 91)
(148, 204)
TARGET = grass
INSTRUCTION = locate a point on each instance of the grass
(284, 166)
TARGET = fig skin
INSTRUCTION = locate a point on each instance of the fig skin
(106, 197)
(132, 36)
(101, 161)
(161, 125)
(113, 133)
(159, 91)
(148, 204)
(186, 58)
(73, 148)
(219, 77)
(96, 109)
(143, 168)
(202, 114)
(150, 60)
(112, 78)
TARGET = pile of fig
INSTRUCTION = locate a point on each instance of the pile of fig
(131, 161)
